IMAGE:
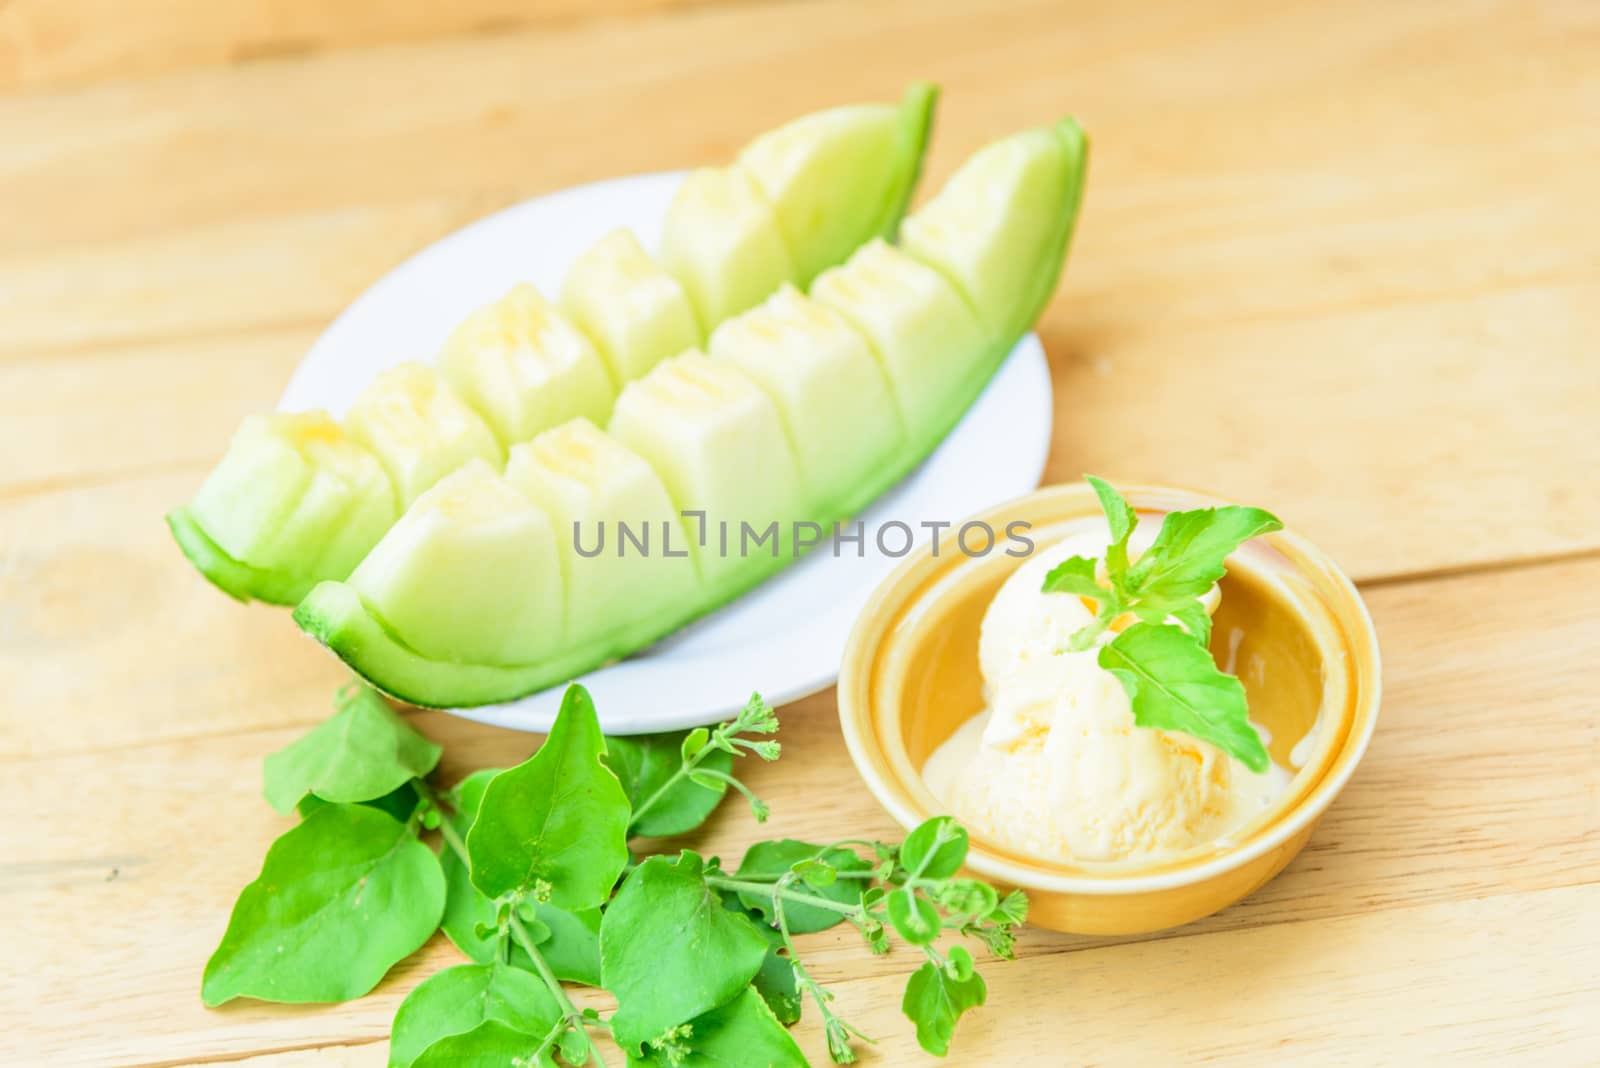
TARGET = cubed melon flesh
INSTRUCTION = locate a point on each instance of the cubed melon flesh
(839, 177)
(829, 389)
(928, 339)
(721, 240)
(1000, 225)
(469, 574)
(419, 429)
(296, 497)
(592, 486)
(635, 313)
(717, 441)
(525, 368)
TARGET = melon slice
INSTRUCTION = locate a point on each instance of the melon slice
(418, 428)
(470, 574)
(723, 243)
(525, 368)
(799, 199)
(839, 177)
(623, 550)
(717, 441)
(635, 313)
(829, 388)
(759, 433)
(294, 500)
(1000, 226)
(928, 339)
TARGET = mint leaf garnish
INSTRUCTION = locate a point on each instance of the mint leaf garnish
(1175, 686)
(1167, 670)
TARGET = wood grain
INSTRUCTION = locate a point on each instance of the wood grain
(1481, 783)
(65, 42)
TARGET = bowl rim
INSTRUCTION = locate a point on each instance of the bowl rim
(856, 722)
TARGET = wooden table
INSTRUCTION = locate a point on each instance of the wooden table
(1340, 260)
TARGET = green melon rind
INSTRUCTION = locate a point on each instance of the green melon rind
(234, 578)
(916, 126)
(335, 615)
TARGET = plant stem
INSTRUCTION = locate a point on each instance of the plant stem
(674, 779)
(776, 890)
(570, 1011)
(836, 1030)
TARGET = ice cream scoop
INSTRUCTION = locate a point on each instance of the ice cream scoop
(1055, 767)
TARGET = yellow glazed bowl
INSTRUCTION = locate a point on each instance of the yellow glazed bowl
(1291, 624)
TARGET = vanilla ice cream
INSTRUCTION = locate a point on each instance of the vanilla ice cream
(1055, 767)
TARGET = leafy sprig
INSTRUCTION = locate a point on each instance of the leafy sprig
(534, 881)
(1165, 667)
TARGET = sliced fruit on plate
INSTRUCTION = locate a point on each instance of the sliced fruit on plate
(471, 570)
(717, 442)
(997, 229)
(717, 432)
(525, 368)
(839, 177)
(294, 498)
(921, 329)
(635, 313)
(799, 199)
(622, 545)
(418, 428)
(822, 375)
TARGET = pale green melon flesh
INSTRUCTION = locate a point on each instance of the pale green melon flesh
(419, 429)
(920, 327)
(591, 485)
(837, 409)
(716, 440)
(470, 572)
(525, 368)
(665, 425)
(721, 240)
(293, 501)
(839, 177)
(635, 313)
(998, 218)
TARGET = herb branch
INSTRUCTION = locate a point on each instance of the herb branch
(534, 882)
(1161, 658)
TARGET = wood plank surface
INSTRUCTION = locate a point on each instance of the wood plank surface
(1339, 260)
(1481, 783)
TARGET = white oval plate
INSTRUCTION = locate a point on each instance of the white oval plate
(783, 639)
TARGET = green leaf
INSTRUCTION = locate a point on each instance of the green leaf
(1123, 519)
(400, 803)
(936, 849)
(555, 826)
(1193, 617)
(1190, 554)
(571, 945)
(770, 861)
(914, 917)
(670, 951)
(1075, 574)
(362, 752)
(934, 1002)
(340, 899)
(1175, 685)
(645, 763)
(775, 982)
(459, 999)
(741, 1034)
(489, 1045)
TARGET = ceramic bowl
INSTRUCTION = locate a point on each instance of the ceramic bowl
(1290, 623)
